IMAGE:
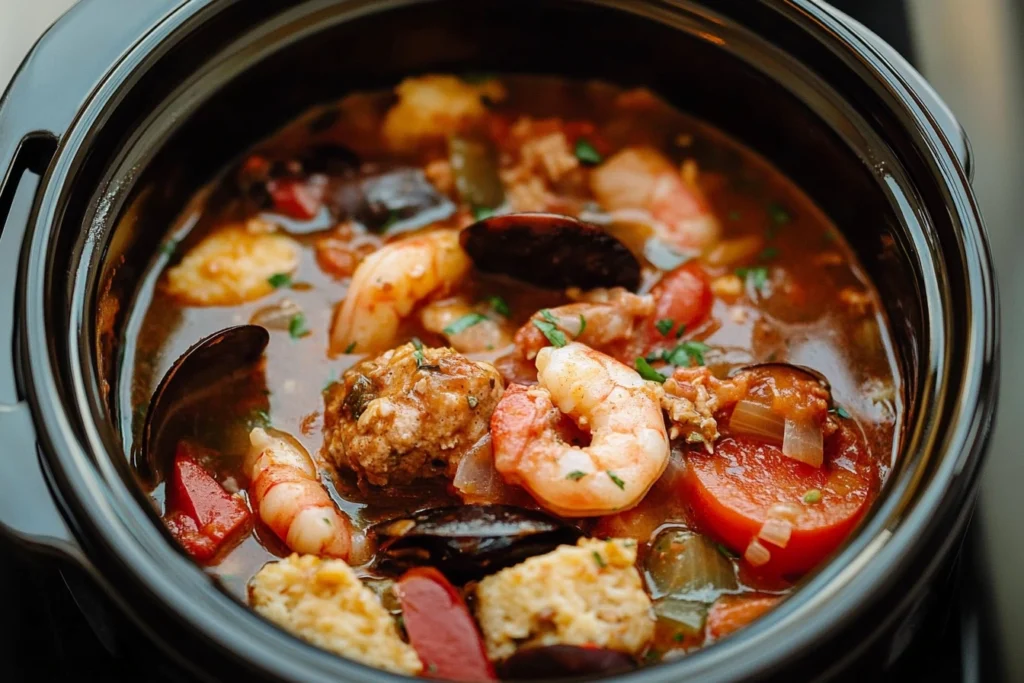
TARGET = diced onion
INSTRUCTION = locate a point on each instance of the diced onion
(756, 554)
(754, 419)
(276, 316)
(803, 441)
(788, 512)
(476, 479)
(776, 532)
(688, 566)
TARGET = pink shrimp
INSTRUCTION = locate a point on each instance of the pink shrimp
(641, 178)
(289, 498)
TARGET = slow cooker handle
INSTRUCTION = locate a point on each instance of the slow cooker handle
(64, 67)
(944, 118)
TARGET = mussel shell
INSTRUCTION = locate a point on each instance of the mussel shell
(467, 542)
(802, 369)
(564, 661)
(550, 251)
(390, 202)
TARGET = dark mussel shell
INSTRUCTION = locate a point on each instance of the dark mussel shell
(222, 356)
(811, 373)
(394, 201)
(564, 661)
(551, 251)
(467, 542)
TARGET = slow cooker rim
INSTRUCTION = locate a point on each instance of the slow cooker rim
(58, 427)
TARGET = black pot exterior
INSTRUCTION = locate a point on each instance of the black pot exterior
(96, 136)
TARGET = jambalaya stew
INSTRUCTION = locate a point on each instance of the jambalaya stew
(558, 379)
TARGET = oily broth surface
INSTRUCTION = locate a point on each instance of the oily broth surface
(745, 192)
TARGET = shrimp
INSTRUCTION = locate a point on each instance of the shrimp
(390, 283)
(628, 448)
(287, 494)
(642, 178)
(603, 319)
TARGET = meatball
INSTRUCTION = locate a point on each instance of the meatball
(589, 594)
(231, 266)
(411, 413)
(323, 602)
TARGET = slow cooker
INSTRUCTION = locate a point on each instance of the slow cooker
(124, 109)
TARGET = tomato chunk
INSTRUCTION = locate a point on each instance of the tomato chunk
(441, 629)
(294, 198)
(201, 514)
(683, 296)
(745, 482)
(730, 613)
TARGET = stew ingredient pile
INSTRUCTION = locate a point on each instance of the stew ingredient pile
(558, 380)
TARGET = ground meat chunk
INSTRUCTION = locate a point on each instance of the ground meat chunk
(323, 602)
(588, 594)
(409, 414)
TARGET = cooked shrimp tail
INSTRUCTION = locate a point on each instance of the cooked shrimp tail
(289, 498)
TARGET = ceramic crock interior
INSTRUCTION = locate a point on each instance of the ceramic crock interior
(238, 74)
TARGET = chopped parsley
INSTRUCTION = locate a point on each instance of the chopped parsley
(464, 323)
(471, 400)
(678, 637)
(779, 214)
(327, 521)
(587, 153)
(757, 276)
(583, 326)
(726, 552)
(647, 372)
(279, 280)
(615, 479)
(482, 212)
(575, 475)
(297, 326)
(350, 348)
(598, 560)
(680, 331)
(499, 306)
(841, 412)
(260, 417)
(812, 496)
(393, 217)
(169, 247)
(421, 361)
(686, 354)
(665, 326)
(768, 253)
(549, 326)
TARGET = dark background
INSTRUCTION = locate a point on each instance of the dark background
(972, 51)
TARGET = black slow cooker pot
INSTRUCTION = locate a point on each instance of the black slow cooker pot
(124, 109)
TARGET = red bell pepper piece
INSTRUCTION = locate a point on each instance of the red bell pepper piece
(201, 514)
(294, 198)
(441, 629)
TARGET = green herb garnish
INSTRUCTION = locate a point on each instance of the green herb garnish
(757, 276)
(812, 496)
(279, 280)
(327, 520)
(778, 214)
(472, 401)
(350, 348)
(647, 372)
(499, 305)
(618, 482)
(726, 552)
(330, 383)
(482, 212)
(598, 560)
(734, 215)
(680, 331)
(587, 153)
(686, 354)
(575, 475)
(768, 253)
(417, 354)
(583, 326)
(678, 637)
(260, 417)
(297, 326)
(841, 412)
(549, 326)
(463, 323)
(665, 326)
